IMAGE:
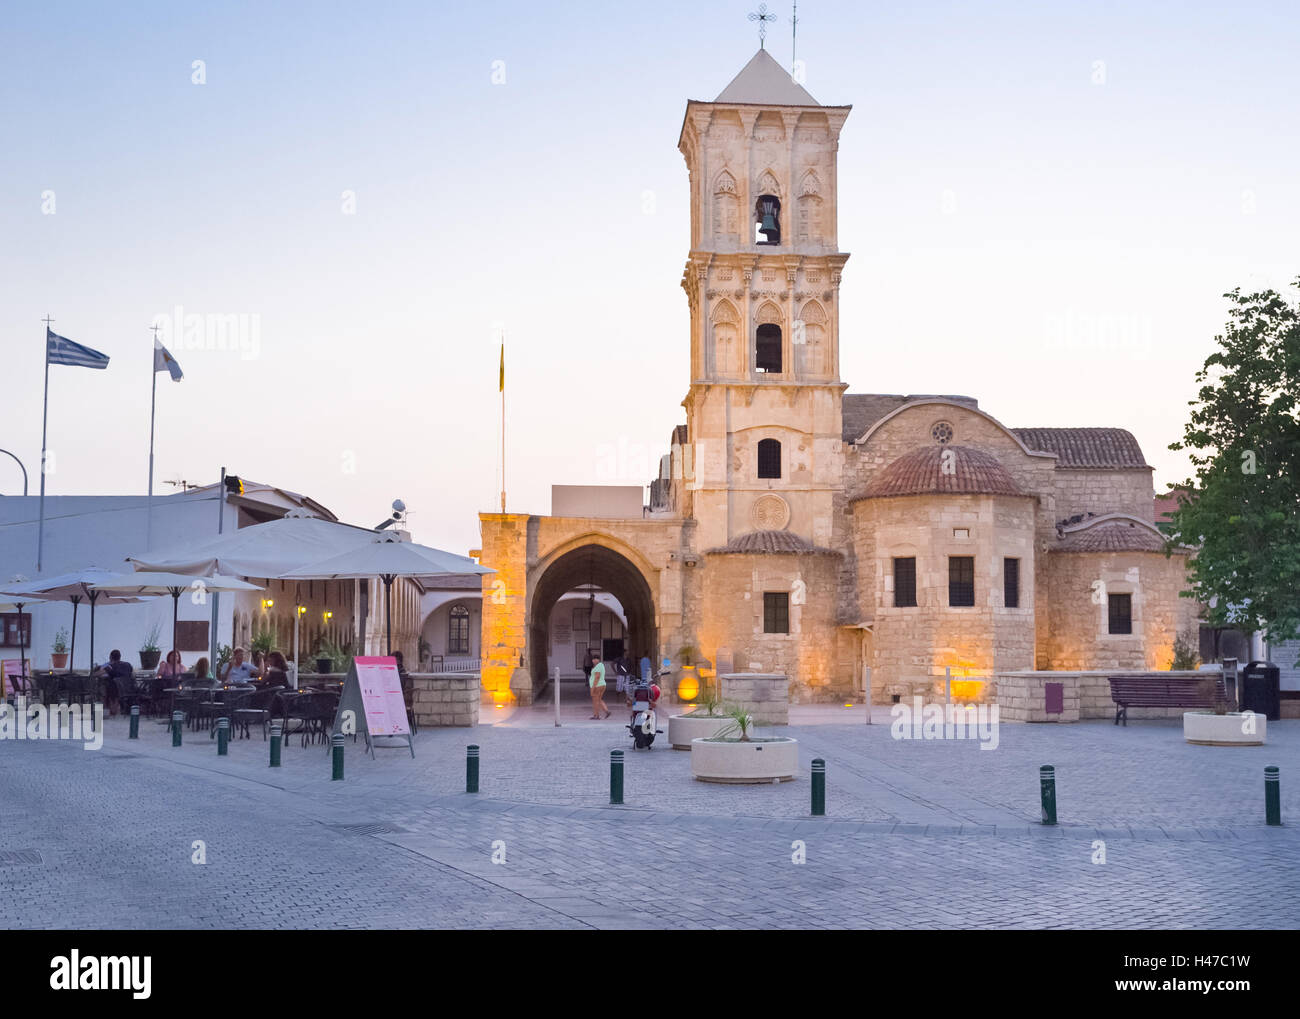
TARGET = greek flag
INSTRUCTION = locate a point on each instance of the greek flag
(61, 350)
(164, 362)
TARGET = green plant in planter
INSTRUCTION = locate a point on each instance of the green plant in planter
(224, 653)
(152, 637)
(60, 645)
(263, 641)
(708, 701)
(741, 723)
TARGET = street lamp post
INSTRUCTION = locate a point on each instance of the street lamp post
(21, 467)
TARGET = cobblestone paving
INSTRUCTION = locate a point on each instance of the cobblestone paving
(921, 834)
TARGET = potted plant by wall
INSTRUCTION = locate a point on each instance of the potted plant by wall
(263, 641)
(150, 652)
(324, 658)
(735, 756)
(705, 719)
(59, 650)
(1220, 727)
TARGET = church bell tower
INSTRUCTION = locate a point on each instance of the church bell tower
(763, 282)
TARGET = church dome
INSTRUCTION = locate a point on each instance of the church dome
(942, 470)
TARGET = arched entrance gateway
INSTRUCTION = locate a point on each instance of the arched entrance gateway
(565, 583)
(609, 608)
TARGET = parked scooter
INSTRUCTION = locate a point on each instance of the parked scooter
(645, 699)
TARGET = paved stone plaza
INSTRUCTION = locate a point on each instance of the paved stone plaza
(918, 834)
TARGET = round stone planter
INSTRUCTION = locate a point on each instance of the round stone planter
(1208, 729)
(737, 763)
(684, 728)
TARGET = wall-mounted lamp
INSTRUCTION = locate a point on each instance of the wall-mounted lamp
(328, 615)
(268, 603)
(302, 610)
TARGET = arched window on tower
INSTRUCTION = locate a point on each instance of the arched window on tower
(767, 220)
(458, 631)
(767, 352)
(769, 458)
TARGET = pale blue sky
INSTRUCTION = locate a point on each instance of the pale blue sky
(1020, 233)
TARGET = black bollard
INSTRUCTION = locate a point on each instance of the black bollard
(616, 777)
(1047, 786)
(471, 768)
(223, 737)
(134, 732)
(336, 741)
(178, 718)
(275, 744)
(818, 787)
(1272, 795)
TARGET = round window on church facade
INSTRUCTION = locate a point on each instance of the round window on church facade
(941, 432)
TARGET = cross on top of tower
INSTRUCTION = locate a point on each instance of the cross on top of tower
(762, 17)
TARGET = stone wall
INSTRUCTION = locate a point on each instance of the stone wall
(732, 617)
(1075, 629)
(913, 645)
(445, 698)
(765, 696)
(1104, 491)
(1021, 696)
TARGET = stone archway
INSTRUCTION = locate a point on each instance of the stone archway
(611, 571)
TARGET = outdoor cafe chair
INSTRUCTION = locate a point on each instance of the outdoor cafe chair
(254, 710)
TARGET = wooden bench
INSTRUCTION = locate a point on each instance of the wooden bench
(1156, 690)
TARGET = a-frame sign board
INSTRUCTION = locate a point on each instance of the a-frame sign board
(373, 693)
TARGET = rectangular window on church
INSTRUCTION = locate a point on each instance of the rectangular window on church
(905, 582)
(776, 612)
(961, 581)
(1011, 583)
(1120, 610)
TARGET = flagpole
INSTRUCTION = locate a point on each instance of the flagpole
(153, 406)
(45, 421)
(503, 425)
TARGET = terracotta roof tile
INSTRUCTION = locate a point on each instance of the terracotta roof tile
(1086, 448)
(1113, 536)
(926, 471)
(770, 543)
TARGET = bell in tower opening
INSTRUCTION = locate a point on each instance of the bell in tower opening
(767, 216)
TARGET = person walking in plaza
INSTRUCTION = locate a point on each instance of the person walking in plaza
(621, 674)
(597, 682)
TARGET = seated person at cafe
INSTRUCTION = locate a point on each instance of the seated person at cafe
(237, 670)
(277, 670)
(119, 679)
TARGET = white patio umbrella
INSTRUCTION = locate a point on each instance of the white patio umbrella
(268, 549)
(388, 557)
(151, 583)
(74, 587)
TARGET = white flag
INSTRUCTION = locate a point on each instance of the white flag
(164, 362)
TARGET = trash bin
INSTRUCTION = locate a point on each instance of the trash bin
(1261, 690)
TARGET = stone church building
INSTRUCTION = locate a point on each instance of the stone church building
(850, 541)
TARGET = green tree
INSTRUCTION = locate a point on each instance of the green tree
(1242, 509)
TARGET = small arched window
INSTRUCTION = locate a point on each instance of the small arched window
(458, 631)
(767, 220)
(769, 458)
(767, 353)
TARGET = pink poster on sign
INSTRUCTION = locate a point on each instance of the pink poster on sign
(381, 696)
